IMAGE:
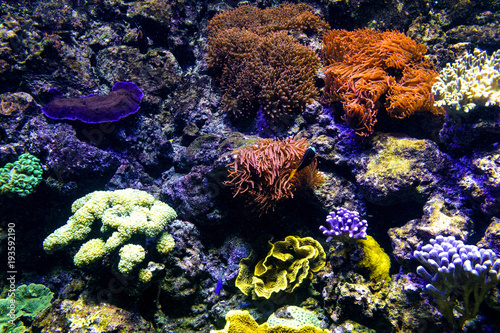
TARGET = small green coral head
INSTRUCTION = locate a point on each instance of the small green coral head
(21, 177)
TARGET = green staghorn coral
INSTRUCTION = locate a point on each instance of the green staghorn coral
(21, 177)
(124, 214)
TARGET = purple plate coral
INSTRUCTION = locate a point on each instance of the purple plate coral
(122, 101)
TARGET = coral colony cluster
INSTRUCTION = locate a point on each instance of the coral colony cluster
(182, 167)
(457, 272)
(471, 81)
(344, 225)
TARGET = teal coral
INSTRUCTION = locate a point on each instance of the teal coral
(22, 306)
(128, 212)
(21, 177)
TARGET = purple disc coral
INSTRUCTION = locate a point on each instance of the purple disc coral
(122, 101)
(344, 225)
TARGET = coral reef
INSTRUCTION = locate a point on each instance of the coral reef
(260, 65)
(206, 69)
(288, 264)
(460, 276)
(262, 171)
(129, 212)
(469, 82)
(21, 177)
(365, 67)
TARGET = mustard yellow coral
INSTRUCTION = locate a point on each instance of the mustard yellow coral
(288, 264)
(375, 260)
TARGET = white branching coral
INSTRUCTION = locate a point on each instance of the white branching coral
(471, 81)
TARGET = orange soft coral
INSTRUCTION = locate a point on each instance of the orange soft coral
(262, 171)
(365, 67)
(260, 65)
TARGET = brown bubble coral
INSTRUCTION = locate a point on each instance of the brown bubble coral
(262, 171)
(260, 65)
(368, 70)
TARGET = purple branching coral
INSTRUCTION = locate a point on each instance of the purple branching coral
(460, 276)
(344, 225)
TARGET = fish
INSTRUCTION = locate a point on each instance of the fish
(308, 157)
(218, 287)
(220, 283)
(142, 41)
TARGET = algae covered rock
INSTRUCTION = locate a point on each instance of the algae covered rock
(398, 170)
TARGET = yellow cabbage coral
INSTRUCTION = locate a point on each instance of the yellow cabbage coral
(288, 264)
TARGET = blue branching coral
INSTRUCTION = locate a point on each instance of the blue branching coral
(344, 225)
(460, 276)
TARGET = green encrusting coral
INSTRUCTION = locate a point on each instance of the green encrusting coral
(21, 177)
(23, 306)
(124, 214)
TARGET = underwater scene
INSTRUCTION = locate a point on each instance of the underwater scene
(318, 166)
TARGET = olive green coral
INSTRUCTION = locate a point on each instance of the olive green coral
(22, 306)
(288, 264)
(21, 177)
(123, 213)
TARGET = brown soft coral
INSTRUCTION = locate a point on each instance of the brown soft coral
(262, 171)
(365, 67)
(258, 62)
